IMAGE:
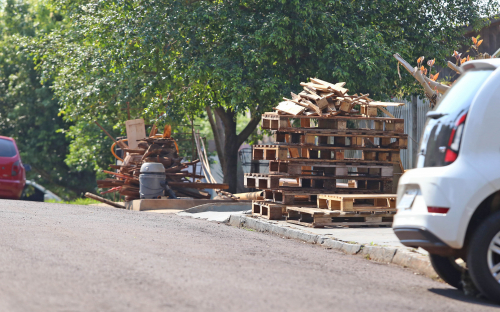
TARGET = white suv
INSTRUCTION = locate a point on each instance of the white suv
(450, 204)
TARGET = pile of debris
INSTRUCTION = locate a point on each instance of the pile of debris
(321, 98)
(157, 148)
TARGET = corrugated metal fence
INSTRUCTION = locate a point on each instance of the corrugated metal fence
(405, 113)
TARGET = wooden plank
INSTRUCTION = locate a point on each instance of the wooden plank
(285, 147)
(290, 108)
(358, 196)
(386, 112)
(336, 87)
(385, 104)
(135, 131)
(195, 185)
(178, 204)
(343, 132)
(322, 103)
(306, 104)
(350, 117)
(309, 96)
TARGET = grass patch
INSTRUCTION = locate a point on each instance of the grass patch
(78, 201)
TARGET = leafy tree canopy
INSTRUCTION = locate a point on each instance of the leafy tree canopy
(28, 109)
(189, 58)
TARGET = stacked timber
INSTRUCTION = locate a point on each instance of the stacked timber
(313, 156)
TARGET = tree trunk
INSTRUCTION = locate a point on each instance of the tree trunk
(230, 148)
(218, 136)
(232, 143)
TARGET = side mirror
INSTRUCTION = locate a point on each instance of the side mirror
(27, 167)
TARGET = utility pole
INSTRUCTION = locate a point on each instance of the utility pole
(414, 134)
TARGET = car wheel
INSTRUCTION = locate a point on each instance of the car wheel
(483, 259)
(448, 269)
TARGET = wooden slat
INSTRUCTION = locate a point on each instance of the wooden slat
(290, 108)
(220, 186)
(385, 104)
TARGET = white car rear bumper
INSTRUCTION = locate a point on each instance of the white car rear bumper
(458, 187)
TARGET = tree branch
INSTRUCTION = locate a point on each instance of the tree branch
(415, 72)
(457, 69)
(250, 127)
(441, 88)
(222, 114)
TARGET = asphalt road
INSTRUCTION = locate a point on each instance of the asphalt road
(56, 257)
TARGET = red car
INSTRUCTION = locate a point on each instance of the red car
(12, 173)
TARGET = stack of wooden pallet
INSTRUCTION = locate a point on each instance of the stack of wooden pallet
(317, 153)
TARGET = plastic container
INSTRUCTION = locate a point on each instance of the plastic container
(151, 180)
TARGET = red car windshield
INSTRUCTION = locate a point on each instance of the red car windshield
(7, 148)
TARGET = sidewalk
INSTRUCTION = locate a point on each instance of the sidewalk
(377, 244)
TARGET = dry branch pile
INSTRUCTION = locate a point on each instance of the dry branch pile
(156, 149)
(321, 98)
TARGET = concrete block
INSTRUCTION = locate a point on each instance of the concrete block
(235, 220)
(380, 254)
(416, 262)
(321, 240)
(350, 249)
(280, 231)
(331, 243)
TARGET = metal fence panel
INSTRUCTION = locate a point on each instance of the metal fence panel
(405, 113)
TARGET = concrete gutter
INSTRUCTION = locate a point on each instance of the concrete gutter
(404, 257)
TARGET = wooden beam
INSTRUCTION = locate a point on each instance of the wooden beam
(103, 200)
(386, 111)
(195, 185)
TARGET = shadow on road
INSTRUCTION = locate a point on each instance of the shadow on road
(460, 296)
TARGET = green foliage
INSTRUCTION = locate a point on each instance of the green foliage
(28, 109)
(173, 58)
(239, 54)
(78, 201)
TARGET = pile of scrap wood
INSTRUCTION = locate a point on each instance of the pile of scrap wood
(321, 98)
(159, 148)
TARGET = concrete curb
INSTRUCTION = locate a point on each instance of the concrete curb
(220, 207)
(414, 261)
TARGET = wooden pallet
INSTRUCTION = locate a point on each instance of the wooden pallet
(301, 196)
(316, 217)
(320, 167)
(274, 121)
(362, 140)
(270, 210)
(362, 132)
(361, 202)
(303, 182)
(327, 152)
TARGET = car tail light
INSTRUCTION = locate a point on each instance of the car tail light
(454, 141)
(437, 210)
(15, 169)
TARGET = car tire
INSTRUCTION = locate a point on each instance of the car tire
(483, 254)
(448, 270)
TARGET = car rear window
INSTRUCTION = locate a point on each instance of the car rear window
(7, 148)
(459, 98)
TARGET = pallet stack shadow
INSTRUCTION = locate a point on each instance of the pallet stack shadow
(311, 179)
